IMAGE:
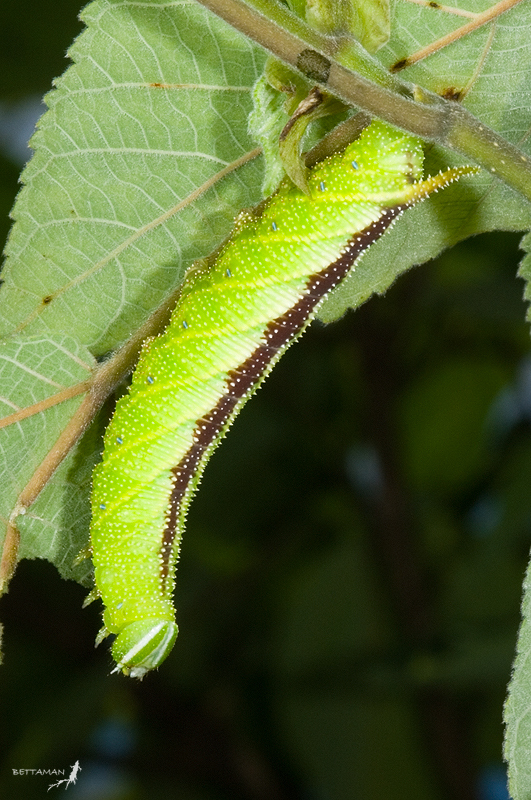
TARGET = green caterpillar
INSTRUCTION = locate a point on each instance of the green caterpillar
(235, 317)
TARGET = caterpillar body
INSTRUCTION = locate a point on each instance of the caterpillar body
(234, 319)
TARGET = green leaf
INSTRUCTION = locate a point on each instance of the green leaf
(122, 194)
(491, 69)
(266, 122)
(32, 370)
(134, 127)
(367, 21)
(517, 748)
(154, 109)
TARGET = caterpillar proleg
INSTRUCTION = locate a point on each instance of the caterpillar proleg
(236, 315)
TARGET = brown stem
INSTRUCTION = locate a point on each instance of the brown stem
(428, 117)
(454, 36)
(104, 381)
(8, 561)
(53, 400)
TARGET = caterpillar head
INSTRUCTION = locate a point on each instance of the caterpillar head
(143, 645)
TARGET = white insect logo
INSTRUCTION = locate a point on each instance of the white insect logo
(72, 778)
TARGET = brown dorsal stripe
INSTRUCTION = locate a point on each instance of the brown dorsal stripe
(278, 333)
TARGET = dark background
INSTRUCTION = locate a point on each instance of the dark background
(348, 593)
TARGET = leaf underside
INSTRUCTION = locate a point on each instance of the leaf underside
(154, 107)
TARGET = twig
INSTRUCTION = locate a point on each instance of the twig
(481, 19)
(428, 116)
(37, 408)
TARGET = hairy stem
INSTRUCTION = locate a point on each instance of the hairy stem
(330, 63)
(106, 379)
(479, 19)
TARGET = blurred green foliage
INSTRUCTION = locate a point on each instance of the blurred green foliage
(350, 581)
